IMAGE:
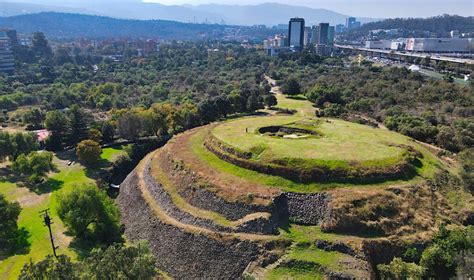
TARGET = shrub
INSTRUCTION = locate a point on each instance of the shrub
(398, 269)
(467, 171)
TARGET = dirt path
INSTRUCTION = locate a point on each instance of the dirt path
(303, 107)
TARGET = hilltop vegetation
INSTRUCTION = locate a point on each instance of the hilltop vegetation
(69, 26)
(417, 27)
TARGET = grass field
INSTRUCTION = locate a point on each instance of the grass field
(340, 142)
(294, 272)
(43, 197)
(208, 158)
(112, 153)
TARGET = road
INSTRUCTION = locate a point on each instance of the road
(414, 55)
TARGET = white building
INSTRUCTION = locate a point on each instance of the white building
(439, 45)
(379, 45)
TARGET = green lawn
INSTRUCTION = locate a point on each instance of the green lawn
(41, 198)
(304, 107)
(340, 142)
(112, 153)
(206, 157)
(294, 272)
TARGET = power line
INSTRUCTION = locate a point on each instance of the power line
(47, 222)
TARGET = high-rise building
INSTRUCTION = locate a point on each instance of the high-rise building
(314, 34)
(7, 62)
(331, 32)
(340, 28)
(307, 35)
(322, 33)
(352, 23)
(296, 32)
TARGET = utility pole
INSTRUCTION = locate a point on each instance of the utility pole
(47, 222)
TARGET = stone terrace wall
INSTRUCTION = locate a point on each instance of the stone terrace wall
(203, 198)
(309, 209)
(181, 254)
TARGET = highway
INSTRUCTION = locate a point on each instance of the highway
(408, 54)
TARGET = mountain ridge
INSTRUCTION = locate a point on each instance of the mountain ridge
(70, 26)
(265, 13)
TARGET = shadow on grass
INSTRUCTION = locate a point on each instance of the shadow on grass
(49, 186)
(66, 155)
(22, 246)
(97, 171)
(296, 97)
(83, 246)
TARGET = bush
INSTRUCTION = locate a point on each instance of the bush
(332, 110)
(400, 270)
(321, 94)
(412, 126)
(467, 171)
(88, 151)
(440, 259)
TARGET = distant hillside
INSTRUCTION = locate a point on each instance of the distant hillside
(62, 25)
(273, 13)
(440, 25)
(268, 13)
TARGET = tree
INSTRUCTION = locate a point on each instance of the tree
(130, 125)
(24, 143)
(108, 132)
(88, 151)
(89, 214)
(40, 46)
(270, 100)
(50, 268)
(121, 262)
(36, 165)
(291, 86)
(95, 135)
(78, 123)
(33, 119)
(115, 262)
(254, 102)
(6, 145)
(58, 124)
(9, 212)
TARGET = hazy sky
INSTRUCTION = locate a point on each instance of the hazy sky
(366, 8)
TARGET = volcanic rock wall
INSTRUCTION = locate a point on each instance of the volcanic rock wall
(182, 254)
